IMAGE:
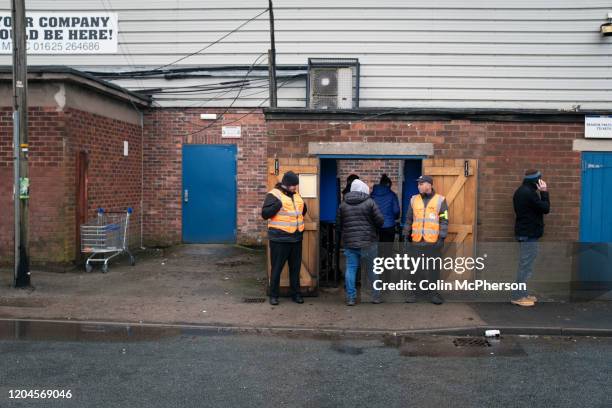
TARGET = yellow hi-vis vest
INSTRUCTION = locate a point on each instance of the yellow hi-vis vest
(426, 221)
(290, 218)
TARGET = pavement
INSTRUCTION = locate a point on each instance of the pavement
(206, 286)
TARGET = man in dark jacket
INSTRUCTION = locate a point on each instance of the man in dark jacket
(426, 231)
(358, 220)
(284, 209)
(388, 204)
(531, 202)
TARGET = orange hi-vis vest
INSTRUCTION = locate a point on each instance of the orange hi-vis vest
(290, 218)
(426, 221)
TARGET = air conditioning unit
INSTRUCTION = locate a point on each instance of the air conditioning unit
(333, 84)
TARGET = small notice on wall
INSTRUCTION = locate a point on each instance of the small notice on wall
(597, 126)
(308, 185)
(231, 132)
(63, 33)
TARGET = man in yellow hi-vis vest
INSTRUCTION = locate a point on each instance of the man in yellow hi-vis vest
(427, 227)
(285, 209)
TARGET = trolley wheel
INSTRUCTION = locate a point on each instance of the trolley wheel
(104, 268)
(88, 268)
(132, 260)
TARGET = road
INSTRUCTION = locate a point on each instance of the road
(194, 368)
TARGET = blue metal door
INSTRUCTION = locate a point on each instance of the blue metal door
(595, 210)
(595, 247)
(209, 194)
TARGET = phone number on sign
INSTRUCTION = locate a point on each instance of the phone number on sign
(40, 394)
(63, 46)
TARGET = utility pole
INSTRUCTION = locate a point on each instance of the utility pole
(272, 58)
(21, 185)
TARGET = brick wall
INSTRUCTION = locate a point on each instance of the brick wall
(55, 137)
(369, 171)
(166, 130)
(504, 151)
(114, 181)
(46, 135)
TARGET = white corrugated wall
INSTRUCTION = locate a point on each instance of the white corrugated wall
(435, 53)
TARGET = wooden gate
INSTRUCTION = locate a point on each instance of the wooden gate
(456, 179)
(310, 245)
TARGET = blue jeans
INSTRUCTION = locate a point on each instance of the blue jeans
(528, 251)
(353, 257)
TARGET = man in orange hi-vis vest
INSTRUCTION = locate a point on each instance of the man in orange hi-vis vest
(285, 209)
(426, 227)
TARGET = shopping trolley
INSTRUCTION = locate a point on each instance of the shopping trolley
(106, 237)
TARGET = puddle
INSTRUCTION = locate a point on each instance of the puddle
(347, 344)
(453, 346)
(56, 331)
(346, 349)
(65, 331)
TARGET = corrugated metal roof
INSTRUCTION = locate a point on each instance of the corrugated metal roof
(536, 54)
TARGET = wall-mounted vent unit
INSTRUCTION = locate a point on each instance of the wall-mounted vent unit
(333, 83)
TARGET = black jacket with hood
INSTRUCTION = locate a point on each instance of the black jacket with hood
(271, 206)
(530, 207)
(358, 219)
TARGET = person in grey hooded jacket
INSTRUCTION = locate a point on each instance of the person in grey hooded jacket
(358, 220)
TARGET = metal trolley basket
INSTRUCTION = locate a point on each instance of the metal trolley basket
(106, 237)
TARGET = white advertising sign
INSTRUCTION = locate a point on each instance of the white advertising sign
(63, 33)
(598, 127)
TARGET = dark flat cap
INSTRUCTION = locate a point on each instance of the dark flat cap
(425, 179)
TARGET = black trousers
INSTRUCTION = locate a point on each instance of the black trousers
(430, 273)
(281, 252)
(386, 238)
(386, 234)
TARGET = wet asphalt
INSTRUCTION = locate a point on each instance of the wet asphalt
(119, 366)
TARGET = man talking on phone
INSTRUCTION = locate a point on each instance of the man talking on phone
(531, 202)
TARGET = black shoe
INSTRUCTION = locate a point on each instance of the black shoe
(274, 301)
(298, 299)
(437, 299)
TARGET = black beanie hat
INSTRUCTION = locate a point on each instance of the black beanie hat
(385, 180)
(290, 179)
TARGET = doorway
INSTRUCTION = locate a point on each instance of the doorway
(334, 173)
(595, 247)
(82, 205)
(209, 194)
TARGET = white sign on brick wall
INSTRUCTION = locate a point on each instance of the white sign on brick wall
(231, 132)
(63, 33)
(599, 126)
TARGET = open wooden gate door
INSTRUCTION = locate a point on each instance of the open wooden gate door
(457, 180)
(307, 168)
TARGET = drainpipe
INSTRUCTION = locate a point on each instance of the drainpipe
(141, 180)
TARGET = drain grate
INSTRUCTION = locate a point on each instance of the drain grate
(253, 300)
(471, 342)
